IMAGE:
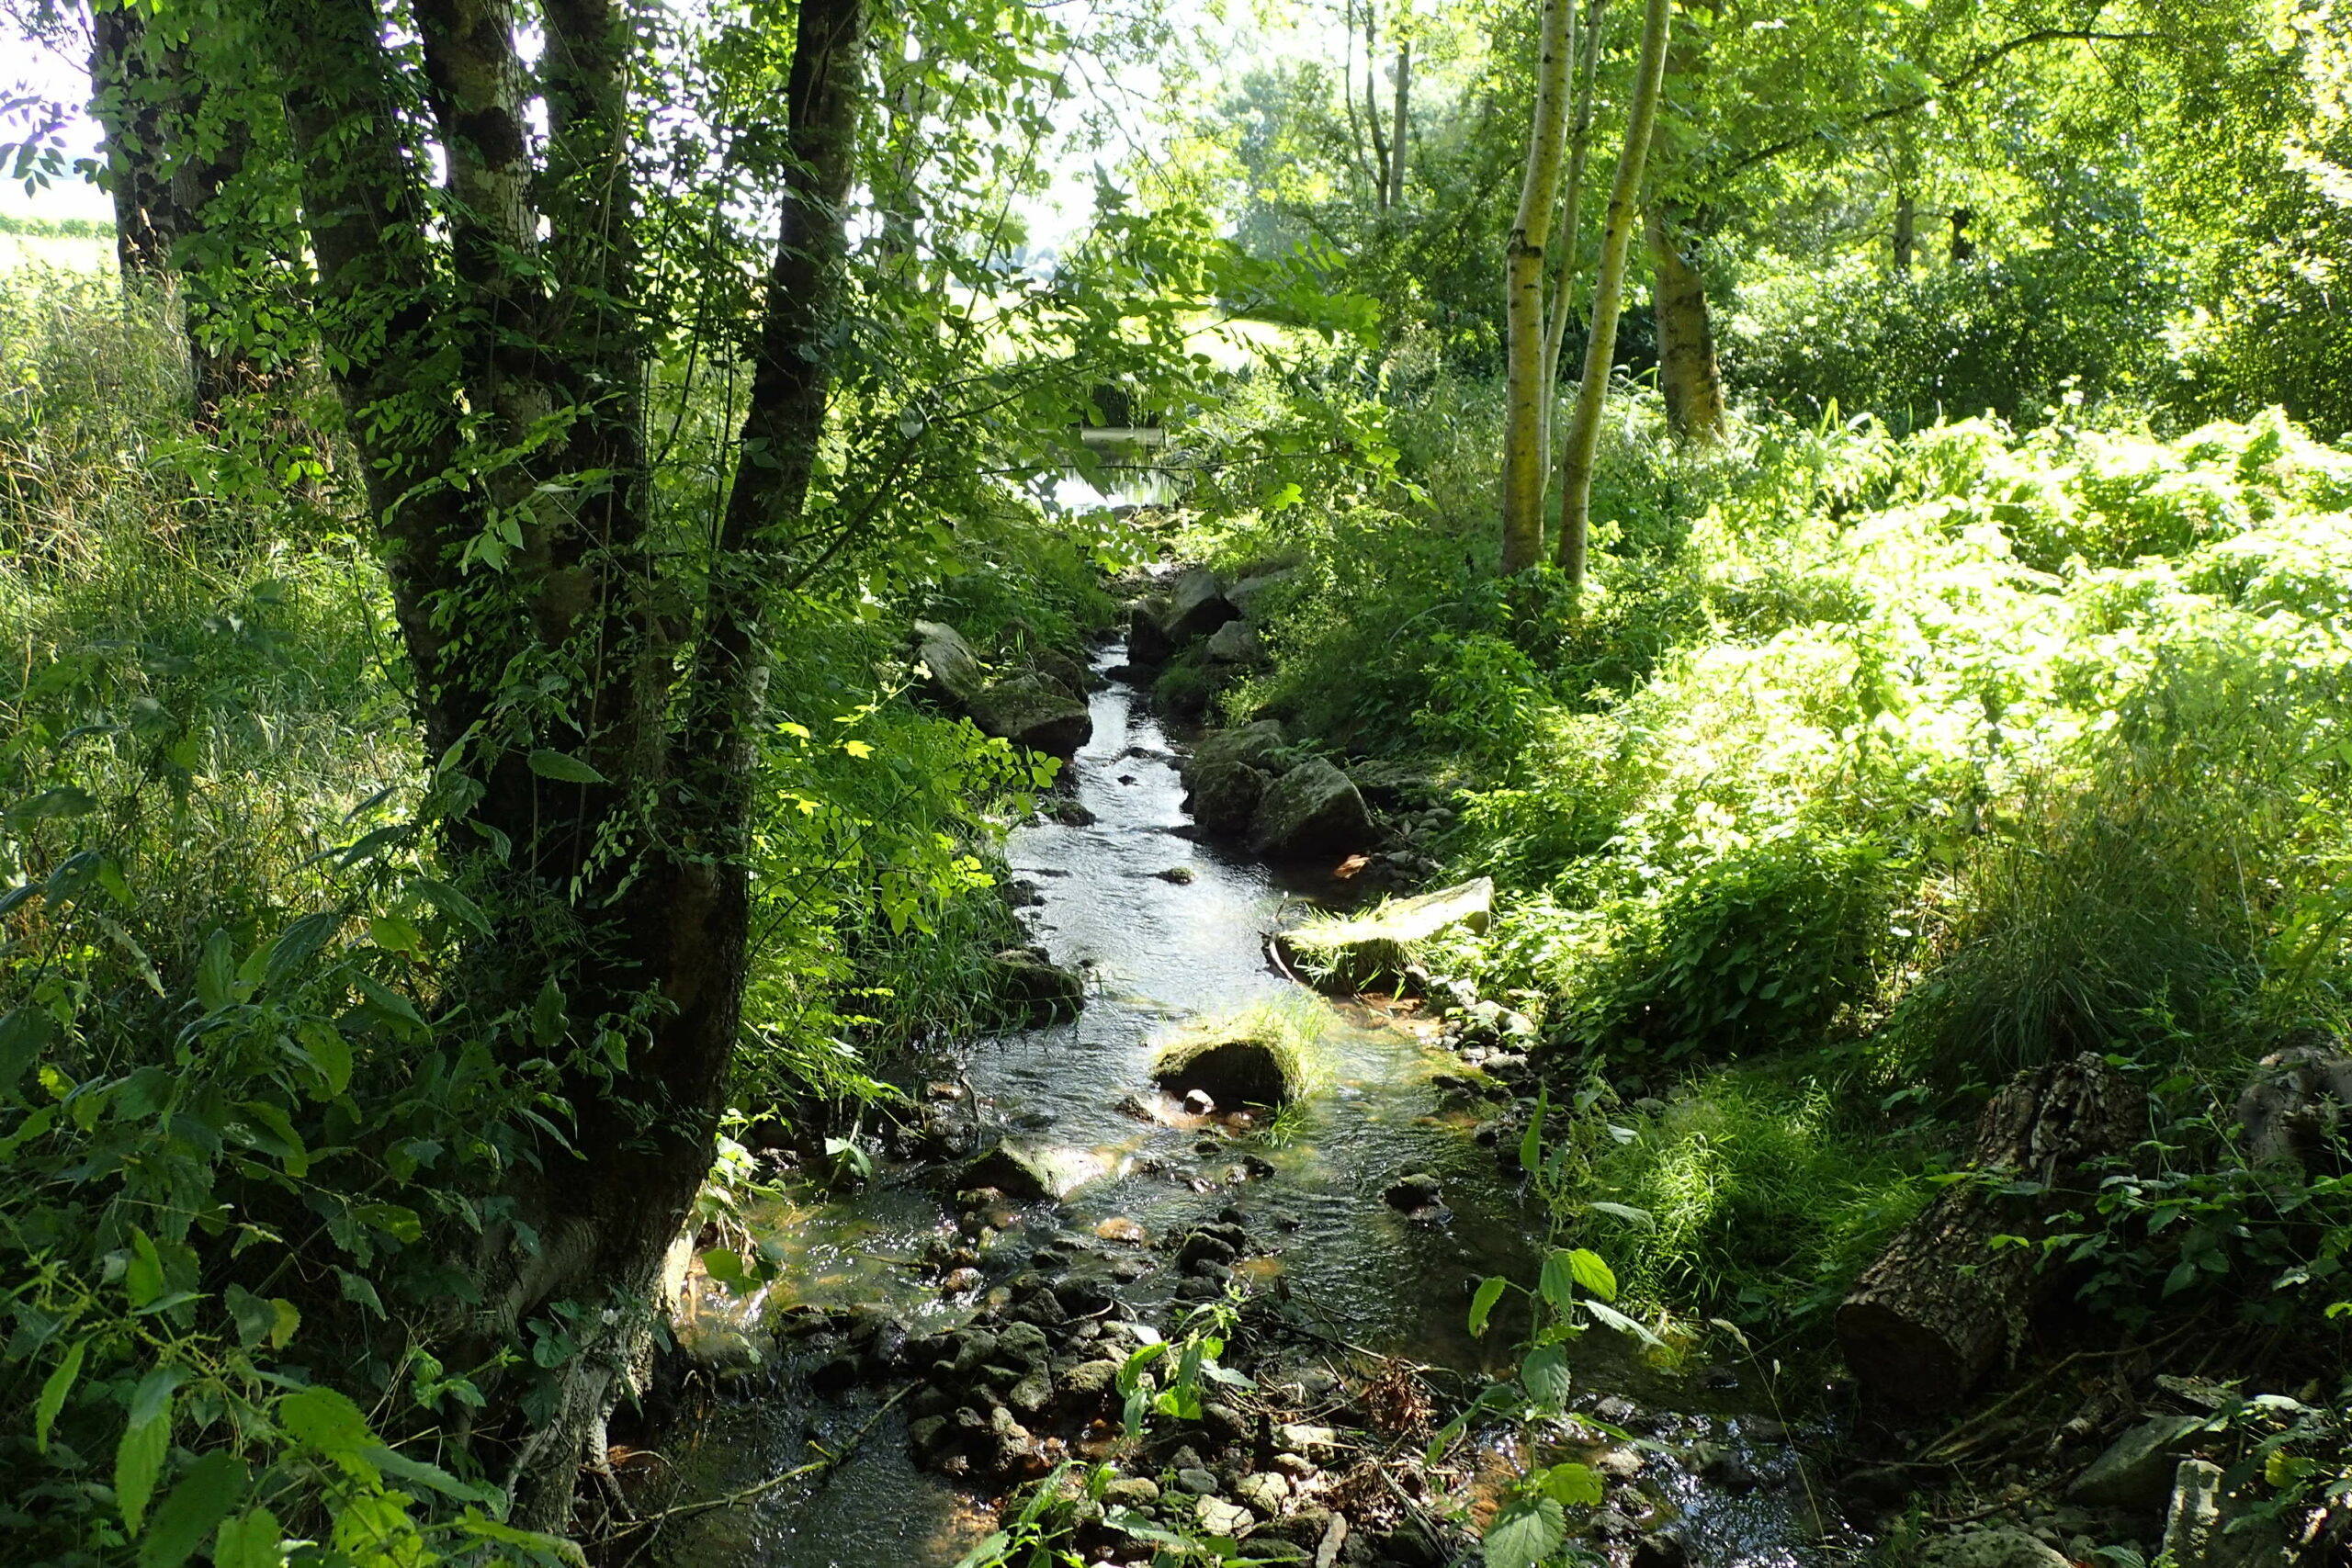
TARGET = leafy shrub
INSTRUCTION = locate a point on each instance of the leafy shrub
(2019, 336)
(1757, 1198)
(1756, 949)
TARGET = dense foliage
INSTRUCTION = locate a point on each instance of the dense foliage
(475, 537)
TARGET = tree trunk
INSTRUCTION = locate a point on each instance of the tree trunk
(1372, 104)
(1907, 232)
(163, 177)
(1688, 373)
(129, 104)
(1556, 334)
(1524, 343)
(1608, 290)
(629, 893)
(1926, 1321)
(1402, 118)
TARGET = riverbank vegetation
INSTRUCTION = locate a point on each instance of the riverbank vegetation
(539, 585)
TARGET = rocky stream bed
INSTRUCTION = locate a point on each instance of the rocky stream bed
(957, 1326)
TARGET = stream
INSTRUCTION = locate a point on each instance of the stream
(1160, 949)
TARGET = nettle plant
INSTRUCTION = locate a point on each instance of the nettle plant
(1575, 1288)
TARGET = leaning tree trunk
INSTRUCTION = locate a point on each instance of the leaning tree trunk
(1943, 1303)
(1688, 373)
(1523, 343)
(1607, 292)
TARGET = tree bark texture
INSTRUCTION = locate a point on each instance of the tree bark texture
(1942, 1305)
(1689, 372)
(1906, 232)
(1525, 391)
(641, 875)
(128, 104)
(1608, 294)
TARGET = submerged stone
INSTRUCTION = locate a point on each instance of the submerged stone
(1031, 1172)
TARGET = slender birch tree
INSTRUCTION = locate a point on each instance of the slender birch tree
(1525, 389)
(1608, 292)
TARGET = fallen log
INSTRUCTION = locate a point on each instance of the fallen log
(1942, 1305)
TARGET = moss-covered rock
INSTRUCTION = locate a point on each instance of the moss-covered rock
(1357, 951)
(1034, 989)
(1259, 1058)
(1312, 809)
(1034, 711)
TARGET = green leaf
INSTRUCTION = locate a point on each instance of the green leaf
(1625, 1212)
(63, 801)
(395, 1463)
(53, 1392)
(394, 1220)
(1610, 1317)
(253, 1540)
(1558, 1281)
(216, 972)
(1524, 1532)
(139, 1457)
(326, 1423)
(564, 768)
(1490, 1291)
(281, 1127)
(391, 1003)
(143, 1282)
(1530, 1147)
(297, 945)
(252, 1315)
(548, 1016)
(1571, 1485)
(1593, 1273)
(452, 903)
(201, 1499)
(396, 933)
(1545, 1375)
(329, 1053)
(25, 1032)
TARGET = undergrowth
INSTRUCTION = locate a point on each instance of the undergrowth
(1869, 769)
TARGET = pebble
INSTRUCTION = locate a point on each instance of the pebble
(1218, 1516)
(1266, 1491)
(1200, 1483)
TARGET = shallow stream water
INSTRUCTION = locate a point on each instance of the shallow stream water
(1159, 949)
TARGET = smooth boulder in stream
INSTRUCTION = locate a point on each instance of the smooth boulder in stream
(1312, 809)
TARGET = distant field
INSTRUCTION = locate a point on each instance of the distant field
(69, 251)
